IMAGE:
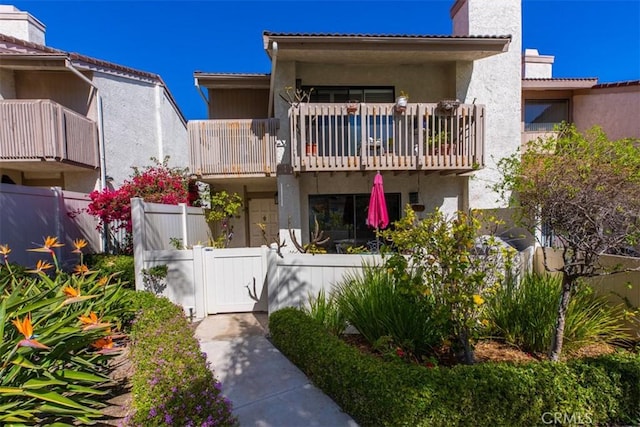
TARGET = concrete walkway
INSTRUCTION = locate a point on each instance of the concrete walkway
(266, 389)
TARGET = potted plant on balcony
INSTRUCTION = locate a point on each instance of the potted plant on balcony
(295, 97)
(401, 101)
(352, 106)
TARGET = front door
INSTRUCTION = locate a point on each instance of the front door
(262, 211)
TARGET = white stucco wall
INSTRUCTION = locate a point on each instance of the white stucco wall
(7, 84)
(19, 24)
(494, 82)
(616, 110)
(131, 132)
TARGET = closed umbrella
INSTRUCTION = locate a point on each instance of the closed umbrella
(377, 217)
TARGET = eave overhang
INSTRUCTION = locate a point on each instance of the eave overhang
(558, 84)
(232, 80)
(382, 49)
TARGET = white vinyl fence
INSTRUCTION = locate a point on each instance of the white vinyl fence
(29, 214)
(205, 280)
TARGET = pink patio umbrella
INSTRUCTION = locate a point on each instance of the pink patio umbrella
(377, 217)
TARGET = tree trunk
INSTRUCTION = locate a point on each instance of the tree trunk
(558, 336)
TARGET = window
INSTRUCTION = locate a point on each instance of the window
(341, 94)
(541, 115)
(343, 217)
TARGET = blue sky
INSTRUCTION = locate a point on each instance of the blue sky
(589, 38)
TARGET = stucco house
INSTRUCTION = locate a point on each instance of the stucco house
(294, 162)
(73, 121)
(548, 101)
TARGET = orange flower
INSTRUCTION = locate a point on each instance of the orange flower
(78, 244)
(71, 292)
(73, 295)
(4, 250)
(40, 267)
(92, 322)
(49, 243)
(81, 269)
(103, 281)
(26, 329)
(104, 344)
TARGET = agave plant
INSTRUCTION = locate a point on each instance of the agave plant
(56, 337)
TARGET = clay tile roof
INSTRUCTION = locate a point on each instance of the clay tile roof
(561, 79)
(618, 84)
(25, 47)
(399, 36)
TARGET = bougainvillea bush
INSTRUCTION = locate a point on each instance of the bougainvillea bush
(156, 184)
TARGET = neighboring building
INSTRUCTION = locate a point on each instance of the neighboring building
(317, 160)
(548, 101)
(73, 121)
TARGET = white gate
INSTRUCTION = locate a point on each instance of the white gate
(235, 279)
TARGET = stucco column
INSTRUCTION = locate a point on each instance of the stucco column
(495, 82)
(289, 209)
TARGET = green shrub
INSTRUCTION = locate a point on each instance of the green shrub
(525, 313)
(56, 337)
(172, 382)
(121, 265)
(324, 309)
(601, 391)
(374, 303)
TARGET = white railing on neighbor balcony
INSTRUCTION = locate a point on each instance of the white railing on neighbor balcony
(37, 129)
(233, 147)
(334, 137)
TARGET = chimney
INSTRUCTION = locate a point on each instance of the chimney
(21, 25)
(536, 66)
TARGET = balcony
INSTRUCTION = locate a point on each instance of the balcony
(33, 130)
(360, 137)
(233, 148)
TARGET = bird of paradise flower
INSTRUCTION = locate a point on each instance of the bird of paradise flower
(49, 244)
(92, 322)
(25, 327)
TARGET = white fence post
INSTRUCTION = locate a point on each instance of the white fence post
(185, 231)
(138, 229)
(199, 283)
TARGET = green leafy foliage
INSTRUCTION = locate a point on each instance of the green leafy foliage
(121, 266)
(524, 314)
(324, 309)
(57, 334)
(592, 210)
(441, 261)
(224, 206)
(173, 383)
(376, 304)
(603, 391)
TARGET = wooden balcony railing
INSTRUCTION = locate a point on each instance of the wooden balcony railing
(243, 147)
(334, 137)
(40, 129)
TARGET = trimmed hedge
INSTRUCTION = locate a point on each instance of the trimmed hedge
(172, 382)
(123, 265)
(378, 393)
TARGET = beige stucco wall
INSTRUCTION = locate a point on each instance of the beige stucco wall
(7, 84)
(616, 110)
(423, 82)
(616, 287)
(444, 192)
(65, 88)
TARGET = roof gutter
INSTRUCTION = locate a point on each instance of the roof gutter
(272, 81)
(202, 95)
(101, 148)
